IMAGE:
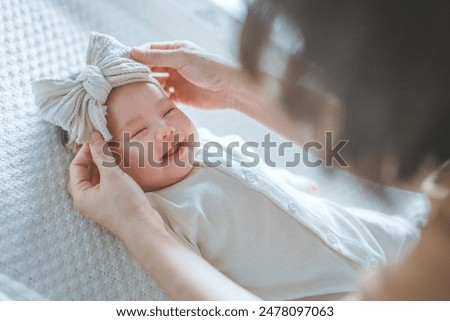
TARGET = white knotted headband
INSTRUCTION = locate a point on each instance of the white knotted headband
(77, 104)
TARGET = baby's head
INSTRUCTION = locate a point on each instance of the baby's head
(119, 98)
(152, 138)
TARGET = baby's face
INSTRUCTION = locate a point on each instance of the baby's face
(146, 126)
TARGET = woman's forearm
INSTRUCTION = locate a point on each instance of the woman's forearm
(180, 272)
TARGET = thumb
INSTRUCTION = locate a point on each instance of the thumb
(172, 58)
(101, 154)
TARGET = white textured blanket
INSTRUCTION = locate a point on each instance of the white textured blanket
(44, 243)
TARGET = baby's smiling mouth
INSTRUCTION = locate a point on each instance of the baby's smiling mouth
(172, 151)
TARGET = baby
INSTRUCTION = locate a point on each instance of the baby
(145, 124)
(254, 224)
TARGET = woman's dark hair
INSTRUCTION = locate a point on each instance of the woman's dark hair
(388, 61)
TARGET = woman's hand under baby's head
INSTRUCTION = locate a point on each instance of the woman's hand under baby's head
(152, 139)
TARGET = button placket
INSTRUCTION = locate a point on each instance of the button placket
(374, 264)
(249, 176)
(292, 206)
(332, 239)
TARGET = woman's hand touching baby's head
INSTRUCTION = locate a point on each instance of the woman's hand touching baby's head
(152, 139)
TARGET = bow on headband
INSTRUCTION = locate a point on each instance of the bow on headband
(77, 104)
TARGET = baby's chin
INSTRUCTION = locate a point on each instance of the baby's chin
(178, 167)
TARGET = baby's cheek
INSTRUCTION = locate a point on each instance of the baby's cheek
(137, 164)
(133, 157)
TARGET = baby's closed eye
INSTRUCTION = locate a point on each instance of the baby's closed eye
(139, 132)
(171, 109)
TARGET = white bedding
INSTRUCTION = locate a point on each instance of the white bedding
(44, 243)
(13, 290)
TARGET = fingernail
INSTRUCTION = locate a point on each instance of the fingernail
(95, 137)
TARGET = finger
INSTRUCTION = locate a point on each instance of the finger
(177, 44)
(101, 155)
(172, 58)
(79, 171)
(167, 87)
(166, 45)
(162, 70)
(95, 174)
(174, 79)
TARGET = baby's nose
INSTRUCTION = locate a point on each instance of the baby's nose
(166, 133)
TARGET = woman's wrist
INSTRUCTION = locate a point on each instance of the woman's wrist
(243, 93)
(261, 102)
(145, 220)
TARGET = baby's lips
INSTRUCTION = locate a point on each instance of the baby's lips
(168, 148)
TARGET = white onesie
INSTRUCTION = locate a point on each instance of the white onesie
(256, 227)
